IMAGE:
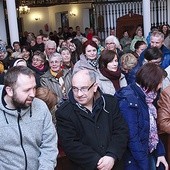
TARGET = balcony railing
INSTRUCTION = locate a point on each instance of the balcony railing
(46, 3)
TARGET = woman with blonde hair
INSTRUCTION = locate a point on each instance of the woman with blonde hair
(129, 66)
(138, 37)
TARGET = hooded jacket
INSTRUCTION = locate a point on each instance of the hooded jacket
(28, 137)
(87, 136)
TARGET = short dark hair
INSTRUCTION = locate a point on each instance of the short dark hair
(138, 44)
(12, 74)
(88, 42)
(153, 53)
(106, 57)
(149, 76)
(97, 37)
(16, 42)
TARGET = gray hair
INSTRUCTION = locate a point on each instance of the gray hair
(113, 39)
(50, 43)
(157, 34)
(57, 55)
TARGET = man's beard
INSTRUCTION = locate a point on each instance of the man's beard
(19, 104)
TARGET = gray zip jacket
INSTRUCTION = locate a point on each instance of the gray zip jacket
(28, 139)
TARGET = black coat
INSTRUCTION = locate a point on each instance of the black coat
(86, 138)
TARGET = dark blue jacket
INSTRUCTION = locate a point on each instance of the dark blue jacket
(135, 111)
(131, 75)
(166, 57)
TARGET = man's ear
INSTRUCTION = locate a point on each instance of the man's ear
(9, 91)
(95, 87)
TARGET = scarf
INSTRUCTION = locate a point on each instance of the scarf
(113, 76)
(40, 68)
(57, 74)
(59, 77)
(153, 133)
(93, 63)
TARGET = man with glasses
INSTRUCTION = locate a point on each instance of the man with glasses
(91, 129)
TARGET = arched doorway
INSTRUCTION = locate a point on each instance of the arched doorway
(128, 23)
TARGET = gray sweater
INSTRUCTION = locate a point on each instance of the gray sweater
(28, 139)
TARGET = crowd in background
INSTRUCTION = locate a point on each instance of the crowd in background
(118, 67)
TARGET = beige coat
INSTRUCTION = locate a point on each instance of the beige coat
(47, 80)
(107, 86)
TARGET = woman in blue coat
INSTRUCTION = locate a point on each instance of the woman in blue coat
(145, 150)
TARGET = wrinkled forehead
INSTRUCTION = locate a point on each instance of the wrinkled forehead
(157, 39)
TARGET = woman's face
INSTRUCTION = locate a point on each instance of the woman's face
(113, 65)
(55, 64)
(37, 61)
(32, 43)
(139, 33)
(26, 54)
(96, 40)
(110, 45)
(66, 56)
(2, 55)
(141, 49)
(91, 52)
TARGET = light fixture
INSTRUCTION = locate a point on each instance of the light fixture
(23, 8)
(37, 19)
(72, 13)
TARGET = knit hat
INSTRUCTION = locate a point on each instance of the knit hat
(2, 46)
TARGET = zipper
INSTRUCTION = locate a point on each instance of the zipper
(20, 133)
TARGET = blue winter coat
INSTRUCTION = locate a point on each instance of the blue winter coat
(131, 75)
(165, 60)
(135, 111)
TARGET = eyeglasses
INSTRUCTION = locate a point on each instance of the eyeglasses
(36, 59)
(83, 89)
(111, 43)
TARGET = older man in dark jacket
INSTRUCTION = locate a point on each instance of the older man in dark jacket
(91, 129)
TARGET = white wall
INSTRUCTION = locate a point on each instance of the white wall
(79, 19)
(3, 35)
(51, 16)
(32, 25)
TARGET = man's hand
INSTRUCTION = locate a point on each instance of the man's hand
(163, 160)
(105, 163)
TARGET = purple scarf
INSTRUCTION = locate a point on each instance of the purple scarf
(153, 133)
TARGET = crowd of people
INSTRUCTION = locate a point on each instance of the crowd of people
(104, 105)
